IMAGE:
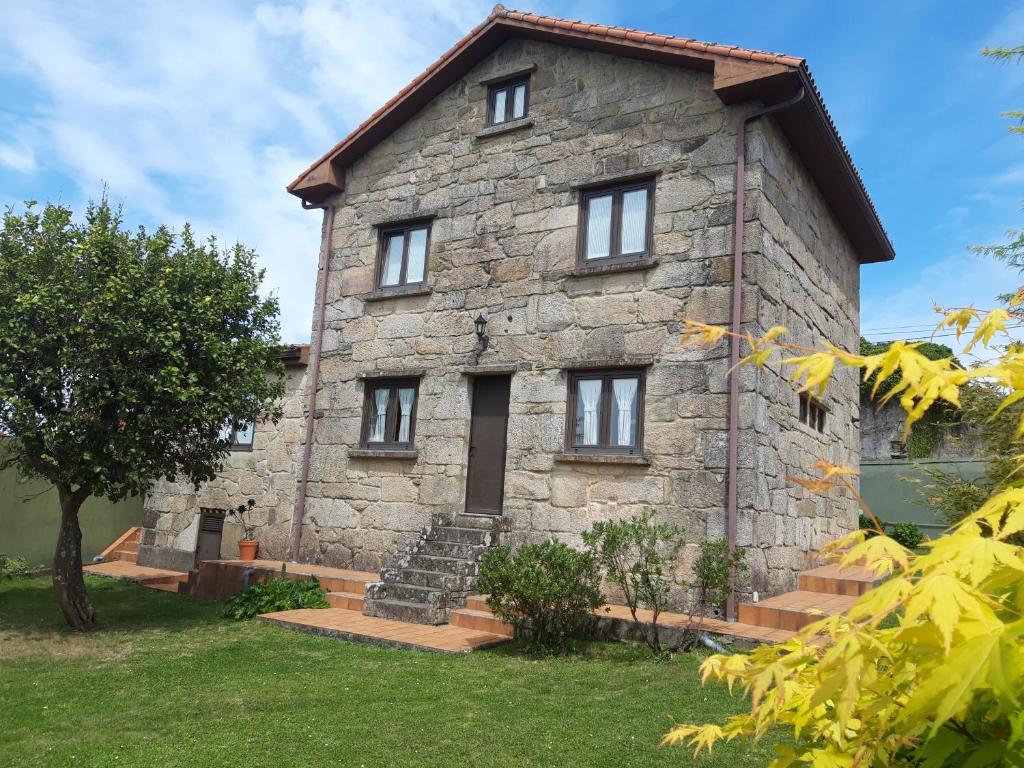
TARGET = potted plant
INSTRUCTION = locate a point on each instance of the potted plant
(248, 545)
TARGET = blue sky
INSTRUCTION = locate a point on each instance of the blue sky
(203, 111)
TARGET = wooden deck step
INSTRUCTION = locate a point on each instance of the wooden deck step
(832, 580)
(350, 601)
(794, 610)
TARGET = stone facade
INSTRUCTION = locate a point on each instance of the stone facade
(504, 208)
(266, 474)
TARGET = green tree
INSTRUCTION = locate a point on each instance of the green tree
(122, 355)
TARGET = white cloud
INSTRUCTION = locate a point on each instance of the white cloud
(205, 112)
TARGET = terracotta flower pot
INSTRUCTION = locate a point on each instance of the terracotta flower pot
(247, 549)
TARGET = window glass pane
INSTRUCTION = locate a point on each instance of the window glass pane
(379, 417)
(624, 403)
(405, 400)
(588, 406)
(417, 255)
(499, 105)
(518, 101)
(225, 431)
(599, 226)
(392, 271)
(243, 435)
(634, 221)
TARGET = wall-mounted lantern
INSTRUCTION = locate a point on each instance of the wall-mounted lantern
(481, 330)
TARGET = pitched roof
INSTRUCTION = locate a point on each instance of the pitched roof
(740, 74)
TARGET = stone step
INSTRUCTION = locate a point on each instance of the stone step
(125, 555)
(350, 601)
(400, 610)
(482, 621)
(128, 545)
(477, 536)
(793, 610)
(833, 580)
(432, 579)
(449, 549)
(407, 593)
(491, 523)
(453, 565)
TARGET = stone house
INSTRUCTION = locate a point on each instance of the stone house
(509, 246)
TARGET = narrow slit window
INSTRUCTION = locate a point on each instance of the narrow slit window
(508, 100)
(402, 259)
(812, 412)
(389, 413)
(605, 412)
(615, 223)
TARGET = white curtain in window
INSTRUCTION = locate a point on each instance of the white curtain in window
(499, 105)
(393, 260)
(417, 255)
(625, 403)
(634, 221)
(599, 226)
(518, 101)
(405, 397)
(589, 400)
(380, 414)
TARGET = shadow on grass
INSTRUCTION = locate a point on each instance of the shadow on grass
(29, 606)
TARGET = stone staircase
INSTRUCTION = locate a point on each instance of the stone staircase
(434, 575)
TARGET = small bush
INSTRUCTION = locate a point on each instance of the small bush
(711, 584)
(639, 557)
(11, 567)
(550, 587)
(907, 534)
(276, 594)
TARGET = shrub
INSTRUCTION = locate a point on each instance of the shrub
(865, 523)
(907, 534)
(276, 594)
(638, 556)
(711, 585)
(550, 588)
(10, 567)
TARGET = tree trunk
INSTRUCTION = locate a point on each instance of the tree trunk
(68, 582)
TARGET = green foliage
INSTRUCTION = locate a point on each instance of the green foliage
(639, 557)
(907, 534)
(550, 587)
(866, 524)
(11, 567)
(711, 574)
(279, 593)
(122, 354)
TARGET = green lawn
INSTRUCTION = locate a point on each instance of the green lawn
(170, 683)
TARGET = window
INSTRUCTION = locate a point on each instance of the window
(238, 434)
(402, 258)
(509, 100)
(812, 412)
(389, 413)
(605, 411)
(615, 223)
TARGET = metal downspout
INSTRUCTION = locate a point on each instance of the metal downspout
(737, 326)
(312, 377)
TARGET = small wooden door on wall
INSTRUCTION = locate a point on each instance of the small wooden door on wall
(485, 476)
(211, 530)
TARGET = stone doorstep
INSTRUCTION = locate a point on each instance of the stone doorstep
(794, 610)
(831, 579)
(154, 578)
(350, 601)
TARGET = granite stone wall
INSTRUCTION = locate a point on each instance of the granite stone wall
(266, 474)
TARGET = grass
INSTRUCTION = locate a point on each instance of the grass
(169, 683)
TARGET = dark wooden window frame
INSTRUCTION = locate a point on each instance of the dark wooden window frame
(509, 86)
(393, 413)
(404, 228)
(614, 254)
(605, 410)
(812, 412)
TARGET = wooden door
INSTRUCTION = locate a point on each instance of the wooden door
(485, 476)
(211, 530)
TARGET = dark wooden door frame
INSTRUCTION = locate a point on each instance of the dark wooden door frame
(474, 435)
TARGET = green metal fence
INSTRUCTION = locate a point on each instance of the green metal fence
(30, 516)
(895, 489)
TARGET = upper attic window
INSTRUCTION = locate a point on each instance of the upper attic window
(508, 100)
